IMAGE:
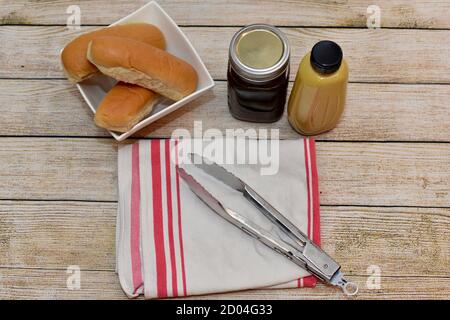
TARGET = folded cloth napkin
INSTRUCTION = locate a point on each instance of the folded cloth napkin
(169, 243)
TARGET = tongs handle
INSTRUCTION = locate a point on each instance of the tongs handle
(275, 216)
(310, 255)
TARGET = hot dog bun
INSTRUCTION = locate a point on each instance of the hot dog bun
(124, 106)
(73, 56)
(136, 62)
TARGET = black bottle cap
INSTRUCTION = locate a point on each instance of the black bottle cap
(326, 56)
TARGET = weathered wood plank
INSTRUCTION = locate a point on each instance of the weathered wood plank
(54, 235)
(373, 112)
(51, 284)
(45, 108)
(57, 234)
(391, 288)
(353, 13)
(38, 240)
(58, 169)
(384, 55)
(413, 174)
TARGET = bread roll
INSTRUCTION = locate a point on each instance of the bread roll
(124, 106)
(73, 57)
(142, 64)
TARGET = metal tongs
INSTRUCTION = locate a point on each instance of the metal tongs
(301, 250)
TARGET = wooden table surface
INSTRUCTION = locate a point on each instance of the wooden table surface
(384, 171)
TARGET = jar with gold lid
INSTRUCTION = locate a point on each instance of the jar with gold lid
(258, 73)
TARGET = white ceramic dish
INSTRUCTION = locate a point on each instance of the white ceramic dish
(94, 89)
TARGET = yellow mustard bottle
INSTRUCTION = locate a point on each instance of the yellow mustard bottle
(318, 96)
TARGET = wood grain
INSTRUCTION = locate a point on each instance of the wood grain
(353, 13)
(384, 55)
(54, 235)
(408, 103)
(374, 112)
(58, 169)
(51, 284)
(350, 173)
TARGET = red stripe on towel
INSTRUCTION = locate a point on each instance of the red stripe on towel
(158, 228)
(180, 233)
(315, 185)
(310, 161)
(301, 283)
(305, 148)
(173, 263)
(135, 219)
(309, 281)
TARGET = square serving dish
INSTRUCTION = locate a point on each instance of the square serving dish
(94, 89)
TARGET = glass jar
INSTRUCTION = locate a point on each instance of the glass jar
(318, 96)
(258, 73)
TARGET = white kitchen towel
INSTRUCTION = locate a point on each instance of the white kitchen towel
(169, 243)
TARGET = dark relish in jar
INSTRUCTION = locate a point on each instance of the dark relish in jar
(258, 74)
(257, 102)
